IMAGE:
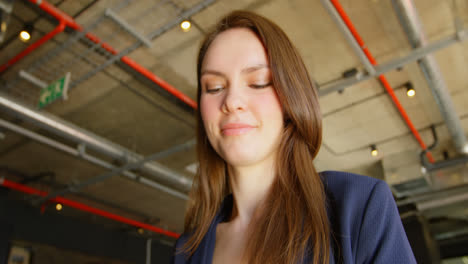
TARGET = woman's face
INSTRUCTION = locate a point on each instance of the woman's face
(240, 109)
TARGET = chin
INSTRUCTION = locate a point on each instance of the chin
(245, 152)
(239, 162)
(242, 158)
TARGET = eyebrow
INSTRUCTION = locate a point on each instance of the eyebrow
(255, 68)
(245, 70)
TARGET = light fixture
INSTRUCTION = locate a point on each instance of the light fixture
(185, 25)
(410, 92)
(465, 148)
(140, 231)
(423, 170)
(58, 207)
(3, 27)
(25, 34)
(374, 152)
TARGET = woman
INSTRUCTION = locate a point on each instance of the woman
(257, 197)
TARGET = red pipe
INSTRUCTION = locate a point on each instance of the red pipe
(26, 189)
(55, 12)
(382, 78)
(34, 46)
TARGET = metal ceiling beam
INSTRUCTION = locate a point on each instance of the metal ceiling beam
(432, 197)
(413, 56)
(359, 51)
(70, 22)
(409, 19)
(444, 163)
(122, 55)
(67, 130)
(118, 170)
(122, 23)
(82, 154)
(437, 198)
(336, 7)
(443, 201)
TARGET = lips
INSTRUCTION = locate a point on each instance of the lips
(232, 129)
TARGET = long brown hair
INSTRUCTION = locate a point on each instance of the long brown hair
(293, 222)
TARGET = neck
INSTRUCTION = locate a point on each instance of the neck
(250, 186)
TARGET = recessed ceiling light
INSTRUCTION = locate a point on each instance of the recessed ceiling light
(25, 36)
(423, 170)
(410, 92)
(185, 25)
(374, 151)
(465, 149)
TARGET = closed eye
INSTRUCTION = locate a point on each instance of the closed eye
(214, 89)
(259, 86)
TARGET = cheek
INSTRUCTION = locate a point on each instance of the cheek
(208, 111)
(270, 106)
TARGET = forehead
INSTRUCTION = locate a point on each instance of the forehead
(234, 49)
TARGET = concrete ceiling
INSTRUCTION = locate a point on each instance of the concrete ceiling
(117, 105)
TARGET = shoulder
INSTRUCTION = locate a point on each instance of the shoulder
(365, 219)
(179, 256)
(352, 197)
(349, 187)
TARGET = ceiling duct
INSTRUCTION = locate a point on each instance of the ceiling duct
(407, 178)
(448, 187)
(67, 130)
(412, 26)
(403, 173)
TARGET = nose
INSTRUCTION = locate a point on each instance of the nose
(234, 100)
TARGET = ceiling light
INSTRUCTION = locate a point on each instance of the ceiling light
(465, 148)
(410, 92)
(141, 231)
(423, 170)
(58, 207)
(25, 34)
(374, 151)
(185, 25)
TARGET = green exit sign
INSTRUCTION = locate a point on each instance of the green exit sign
(55, 90)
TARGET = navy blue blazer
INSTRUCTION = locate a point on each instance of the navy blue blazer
(363, 216)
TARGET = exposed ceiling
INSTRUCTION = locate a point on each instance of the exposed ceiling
(114, 102)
